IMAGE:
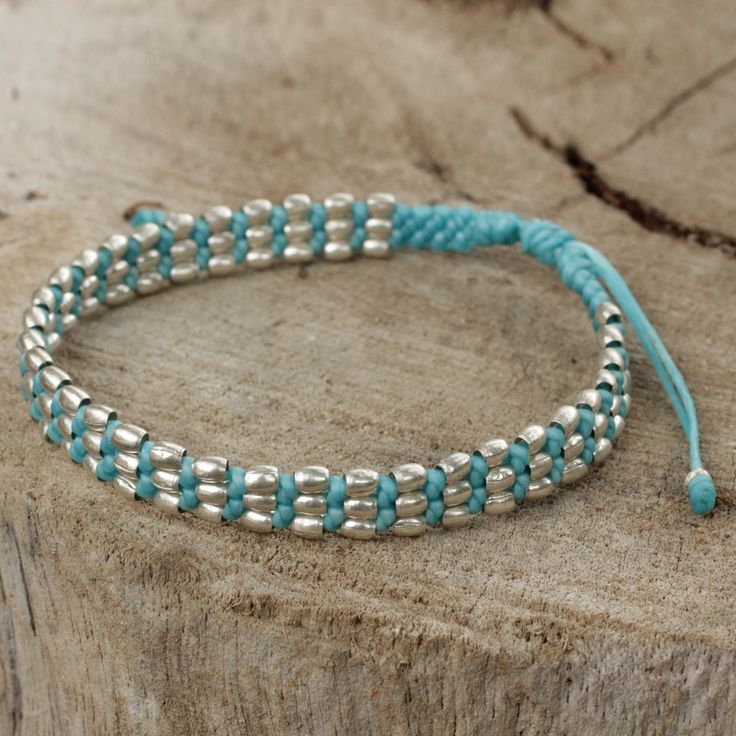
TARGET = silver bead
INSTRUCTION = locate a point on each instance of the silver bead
(209, 512)
(63, 278)
(499, 503)
(625, 405)
(627, 382)
(118, 295)
(309, 527)
(605, 379)
(615, 405)
(64, 423)
(127, 465)
(90, 306)
(53, 341)
(376, 248)
(610, 357)
(298, 232)
(358, 528)
(381, 205)
(221, 243)
(44, 297)
(116, 273)
(500, 478)
(409, 477)
(377, 229)
(213, 493)
(411, 504)
(535, 436)
(339, 206)
(361, 482)
(336, 252)
(567, 419)
(590, 398)
(89, 286)
(457, 493)
(455, 466)
(259, 236)
(165, 480)
(71, 397)
(128, 437)
(258, 211)
(600, 425)
(150, 283)
(608, 312)
(147, 235)
(539, 489)
(456, 516)
(92, 442)
(315, 504)
(361, 507)
(609, 336)
(339, 230)
(262, 479)
(260, 501)
(52, 377)
(260, 259)
(148, 261)
(574, 470)
(88, 260)
(180, 224)
(124, 485)
(539, 465)
(184, 273)
(312, 479)
(29, 339)
(36, 317)
(218, 218)
(298, 253)
(44, 402)
(185, 251)
(36, 358)
(222, 265)
(297, 207)
(166, 502)
(256, 521)
(603, 448)
(573, 447)
(211, 469)
(167, 455)
(98, 416)
(410, 527)
(117, 244)
(618, 424)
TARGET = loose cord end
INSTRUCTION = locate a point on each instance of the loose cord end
(701, 491)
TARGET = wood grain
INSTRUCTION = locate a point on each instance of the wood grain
(608, 610)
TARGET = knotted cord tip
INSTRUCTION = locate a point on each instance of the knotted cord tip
(701, 490)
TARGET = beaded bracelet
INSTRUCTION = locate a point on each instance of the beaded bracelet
(177, 248)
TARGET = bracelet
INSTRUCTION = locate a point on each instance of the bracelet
(177, 248)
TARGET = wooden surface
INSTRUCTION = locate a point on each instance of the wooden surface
(608, 610)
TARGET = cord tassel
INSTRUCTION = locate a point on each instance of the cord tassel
(701, 490)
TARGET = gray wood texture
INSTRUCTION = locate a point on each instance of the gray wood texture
(608, 610)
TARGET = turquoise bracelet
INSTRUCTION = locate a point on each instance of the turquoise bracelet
(177, 248)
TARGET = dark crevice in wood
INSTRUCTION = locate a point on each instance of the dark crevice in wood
(603, 53)
(444, 175)
(644, 214)
(648, 126)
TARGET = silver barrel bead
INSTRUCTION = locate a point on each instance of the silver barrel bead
(261, 484)
(339, 227)
(360, 506)
(411, 502)
(378, 227)
(310, 505)
(211, 474)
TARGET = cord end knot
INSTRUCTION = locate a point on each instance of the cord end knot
(701, 490)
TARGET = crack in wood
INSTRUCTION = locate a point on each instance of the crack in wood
(644, 214)
(676, 101)
(601, 52)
